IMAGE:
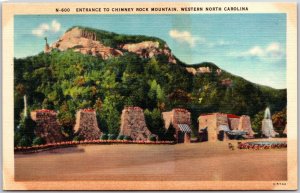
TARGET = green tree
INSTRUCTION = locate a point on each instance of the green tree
(279, 120)
(155, 122)
(110, 114)
(256, 122)
(25, 133)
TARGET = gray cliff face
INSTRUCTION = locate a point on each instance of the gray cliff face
(86, 43)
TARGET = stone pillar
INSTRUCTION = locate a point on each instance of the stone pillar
(267, 128)
(245, 125)
(209, 122)
(133, 124)
(47, 126)
(234, 123)
(187, 138)
(86, 126)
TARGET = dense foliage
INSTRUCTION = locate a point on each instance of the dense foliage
(68, 81)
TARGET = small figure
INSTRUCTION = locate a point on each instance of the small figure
(230, 146)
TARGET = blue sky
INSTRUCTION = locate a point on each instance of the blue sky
(249, 45)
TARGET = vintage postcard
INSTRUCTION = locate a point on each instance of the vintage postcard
(149, 96)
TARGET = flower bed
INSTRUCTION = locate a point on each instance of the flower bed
(262, 145)
(36, 148)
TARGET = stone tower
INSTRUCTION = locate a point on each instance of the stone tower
(133, 124)
(86, 126)
(47, 126)
(47, 48)
(180, 119)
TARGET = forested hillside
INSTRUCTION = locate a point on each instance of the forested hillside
(66, 81)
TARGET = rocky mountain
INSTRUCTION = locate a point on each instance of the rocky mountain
(87, 41)
(105, 71)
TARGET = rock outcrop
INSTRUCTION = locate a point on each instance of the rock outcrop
(200, 70)
(148, 49)
(226, 82)
(133, 124)
(86, 126)
(84, 42)
(47, 126)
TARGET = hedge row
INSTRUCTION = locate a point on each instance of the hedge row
(73, 143)
(264, 146)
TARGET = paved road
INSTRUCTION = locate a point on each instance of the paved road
(201, 161)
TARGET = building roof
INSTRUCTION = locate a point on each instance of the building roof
(232, 116)
(223, 128)
(237, 132)
(228, 115)
(185, 128)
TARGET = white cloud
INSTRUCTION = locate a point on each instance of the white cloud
(55, 26)
(193, 40)
(272, 51)
(40, 31)
(43, 28)
(220, 43)
(185, 37)
(256, 51)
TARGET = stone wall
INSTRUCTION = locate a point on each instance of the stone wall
(234, 123)
(47, 126)
(86, 126)
(210, 122)
(218, 121)
(168, 118)
(245, 125)
(175, 117)
(133, 124)
(181, 116)
(221, 119)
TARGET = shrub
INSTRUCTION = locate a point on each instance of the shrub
(38, 141)
(152, 138)
(120, 137)
(25, 142)
(17, 138)
(104, 136)
(76, 138)
(128, 138)
(112, 136)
